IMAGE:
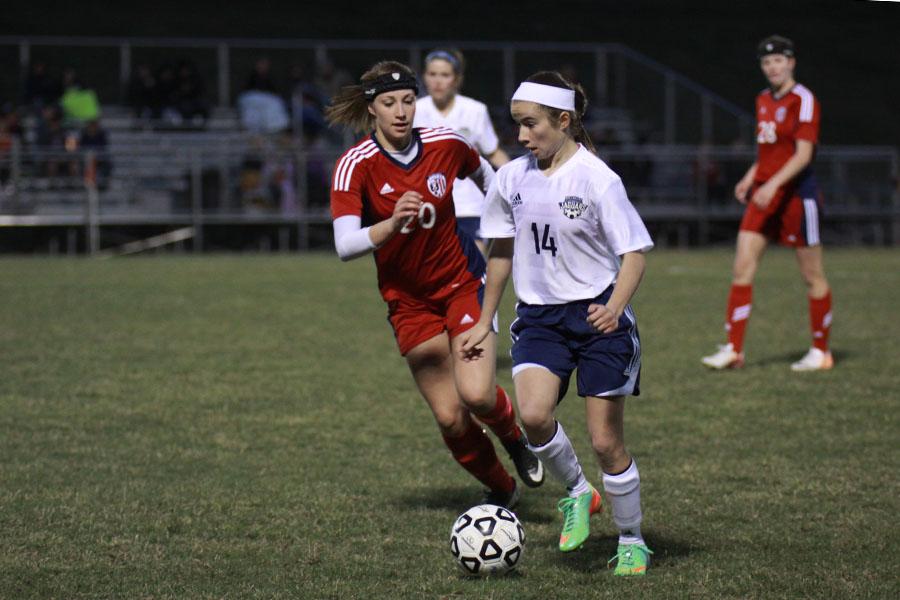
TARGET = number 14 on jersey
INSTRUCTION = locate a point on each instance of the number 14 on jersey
(543, 241)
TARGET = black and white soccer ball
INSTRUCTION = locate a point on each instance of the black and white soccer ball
(487, 540)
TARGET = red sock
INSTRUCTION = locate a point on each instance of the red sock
(474, 451)
(739, 303)
(502, 419)
(820, 320)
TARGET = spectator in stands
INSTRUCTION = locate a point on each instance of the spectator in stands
(143, 95)
(262, 109)
(329, 78)
(40, 88)
(708, 171)
(166, 100)
(261, 77)
(94, 139)
(10, 134)
(53, 143)
(307, 105)
(79, 103)
(190, 94)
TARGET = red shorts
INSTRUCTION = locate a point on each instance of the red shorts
(416, 320)
(790, 219)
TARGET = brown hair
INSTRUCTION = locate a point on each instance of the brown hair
(556, 79)
(349, 106)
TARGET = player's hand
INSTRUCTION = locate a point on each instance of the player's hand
(470, 339)
(406, 209)
(741, 189)
(602, 318)
(763, 195)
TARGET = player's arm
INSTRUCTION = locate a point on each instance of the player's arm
(483, 175)
(487, 140)
(605, 317)
(801, 158)
(499, 267)
(743, 186)
(497, 158)
(352, 241)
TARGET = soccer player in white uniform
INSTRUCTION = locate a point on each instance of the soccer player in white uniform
(562, 224)
(444, 106)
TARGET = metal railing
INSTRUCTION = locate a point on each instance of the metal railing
(682, 191)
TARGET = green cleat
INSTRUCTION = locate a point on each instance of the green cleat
(576, 515)
(633, 559)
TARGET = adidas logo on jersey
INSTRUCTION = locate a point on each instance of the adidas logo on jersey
(516, 201)
(386, 189)
(466, 319)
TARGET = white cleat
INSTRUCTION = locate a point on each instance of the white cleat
(815, 360)
(725, 358)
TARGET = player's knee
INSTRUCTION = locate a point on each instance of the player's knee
(536, 421)
(476, 397)
(608, 448)
(451, 422)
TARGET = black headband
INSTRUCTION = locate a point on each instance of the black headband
(389, 82)
(775, 45)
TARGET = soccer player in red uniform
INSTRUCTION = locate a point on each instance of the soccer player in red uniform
(392, 194)
(782, 199)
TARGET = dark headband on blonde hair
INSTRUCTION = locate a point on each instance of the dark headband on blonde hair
(389, 82)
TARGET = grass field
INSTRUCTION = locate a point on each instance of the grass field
(242, 427)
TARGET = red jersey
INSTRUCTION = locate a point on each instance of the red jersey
(780, 122)
(429, 255)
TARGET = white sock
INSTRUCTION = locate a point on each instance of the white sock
(559, 459)
(624, 493)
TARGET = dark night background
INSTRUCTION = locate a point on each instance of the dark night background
(848, 51)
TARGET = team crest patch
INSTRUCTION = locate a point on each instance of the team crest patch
(437, 185)
(573, 207)
(779, 114)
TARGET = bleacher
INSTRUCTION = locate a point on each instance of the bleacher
(678, 146)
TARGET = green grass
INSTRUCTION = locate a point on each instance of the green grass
(243, 427)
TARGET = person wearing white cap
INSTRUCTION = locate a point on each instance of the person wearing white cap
(561, 223)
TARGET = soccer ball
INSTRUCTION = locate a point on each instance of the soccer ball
(487, 540)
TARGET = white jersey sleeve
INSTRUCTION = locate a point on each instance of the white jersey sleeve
(497, 219)
(621, 225)
(486, 141)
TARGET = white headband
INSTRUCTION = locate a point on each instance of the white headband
(548, 95)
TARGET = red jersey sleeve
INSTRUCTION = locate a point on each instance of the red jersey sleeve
(808, 121)
(470, 159)
(347, 187)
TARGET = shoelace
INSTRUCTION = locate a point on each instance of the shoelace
(568, 507)
(627, 557)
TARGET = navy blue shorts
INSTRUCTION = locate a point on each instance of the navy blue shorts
(559, 338)
(470, 225)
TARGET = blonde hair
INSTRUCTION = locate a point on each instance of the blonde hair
(349, 106)
(576, 117)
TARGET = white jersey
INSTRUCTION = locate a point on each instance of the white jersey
(570, 228)
(470, 118)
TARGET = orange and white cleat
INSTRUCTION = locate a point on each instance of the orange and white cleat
(815, 360)
(725, 358)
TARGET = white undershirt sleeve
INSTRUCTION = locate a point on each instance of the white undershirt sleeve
(351, 240)
(483, 176)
